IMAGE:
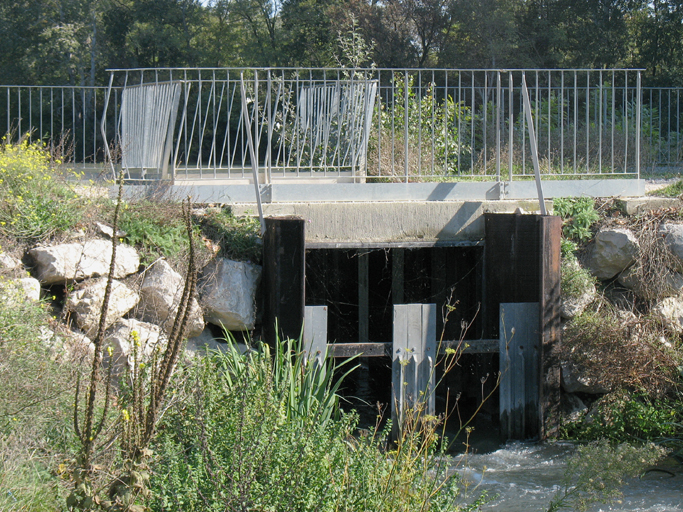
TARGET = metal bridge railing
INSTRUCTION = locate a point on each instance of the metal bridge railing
(357, 125)
(67, 119)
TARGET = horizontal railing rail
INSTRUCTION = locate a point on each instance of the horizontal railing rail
(359, 125)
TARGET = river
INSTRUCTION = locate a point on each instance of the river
(525, 477)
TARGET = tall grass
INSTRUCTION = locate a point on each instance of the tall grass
(35, 408)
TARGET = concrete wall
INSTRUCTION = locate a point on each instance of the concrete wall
(376, 213)
(422, 221)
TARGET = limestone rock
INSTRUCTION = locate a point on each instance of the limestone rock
(672, 284)
(121, 336)
(228, 293)
(68, 262)
(85, 304)
(670, 313)
(573, 407)
(581, 290)
(31, 288)
(79, 345)
(13, 291)
(572, 307)
(614, 250)
(160, 295)
(673, 237)
(205, 342)
(577, 379)
(108, 230)
(7, 262)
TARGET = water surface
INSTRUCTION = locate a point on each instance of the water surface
(525, 477)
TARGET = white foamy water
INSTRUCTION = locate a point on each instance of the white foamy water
(525, 478)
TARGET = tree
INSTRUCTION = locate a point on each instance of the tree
(597, 35)
(656, 29)
(542, 30)
(426, 21)
(260, 30)
(308, 35)
(482, 34)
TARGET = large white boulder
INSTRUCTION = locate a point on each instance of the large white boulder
(670, 284)
(85, 304)
(573, 407)
(228, 293)
(68, 262)
(579, 379)
(121, 339)
(14, 290)
(160, 296)
(581, 292)
(31, 288)
(614, 250)
(673, 237)
(8, 262)
(204, 343)
(571, 307)
(670, 312)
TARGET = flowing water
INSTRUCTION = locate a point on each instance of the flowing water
(525, 477)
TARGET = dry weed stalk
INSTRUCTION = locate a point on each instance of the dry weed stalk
(656, 263)
(621, 350)
(148, 397)
(148, 391)
(84, 495)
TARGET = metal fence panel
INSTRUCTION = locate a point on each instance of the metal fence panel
(365, 125)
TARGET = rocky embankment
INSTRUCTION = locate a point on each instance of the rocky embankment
(143, 299)
(635, 290)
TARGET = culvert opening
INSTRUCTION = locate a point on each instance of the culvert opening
(360, 286)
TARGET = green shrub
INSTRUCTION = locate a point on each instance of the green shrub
(238, 238)
(625, 416)
(156, 229)
(36, 395)
(578, 214)
(261, 435)
(438, 132)
(34, 204)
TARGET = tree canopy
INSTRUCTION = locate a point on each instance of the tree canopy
(58, 42)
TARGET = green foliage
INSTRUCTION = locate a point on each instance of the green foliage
(260, 433)
(672, 190)
(430, 122)
(575, 279)
(34, 204)
(568, 248)
(238, 238)
(354, 50)
(35, 406)
(157, 230)
(597, 471)
(578, 214)
(629, 417)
